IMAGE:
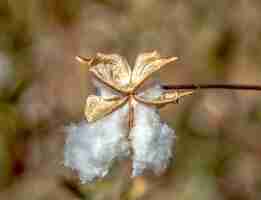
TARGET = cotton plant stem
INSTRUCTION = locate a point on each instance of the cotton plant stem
(212, 86)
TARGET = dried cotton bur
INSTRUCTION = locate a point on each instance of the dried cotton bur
(122, 119)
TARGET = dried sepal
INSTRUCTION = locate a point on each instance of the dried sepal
(164, 98)
(113, 70)
(146, 64)
(98, 107)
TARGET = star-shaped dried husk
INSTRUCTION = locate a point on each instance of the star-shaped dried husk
(115, 72)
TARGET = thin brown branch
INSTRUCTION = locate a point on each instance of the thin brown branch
(212, 86)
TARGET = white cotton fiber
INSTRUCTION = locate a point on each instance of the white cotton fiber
(103, 90)
(150, 89)
(91, 148)
(152, 141)
(151, 93)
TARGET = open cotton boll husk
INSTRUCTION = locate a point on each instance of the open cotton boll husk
(152, 141)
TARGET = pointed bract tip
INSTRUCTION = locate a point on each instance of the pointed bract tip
(174, 59)
(182, 94)
(83, 59)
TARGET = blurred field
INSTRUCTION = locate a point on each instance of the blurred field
(42, 88)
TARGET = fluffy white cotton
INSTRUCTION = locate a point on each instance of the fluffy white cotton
(103, 90)
(91, 148)
(151, 89)
(154, 92)
(152, 141)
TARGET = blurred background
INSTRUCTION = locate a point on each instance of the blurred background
(43, 88)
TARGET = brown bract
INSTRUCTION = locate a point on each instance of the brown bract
(115, 72)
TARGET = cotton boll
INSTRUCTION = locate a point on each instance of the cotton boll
(91, 148)
(152, 141)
